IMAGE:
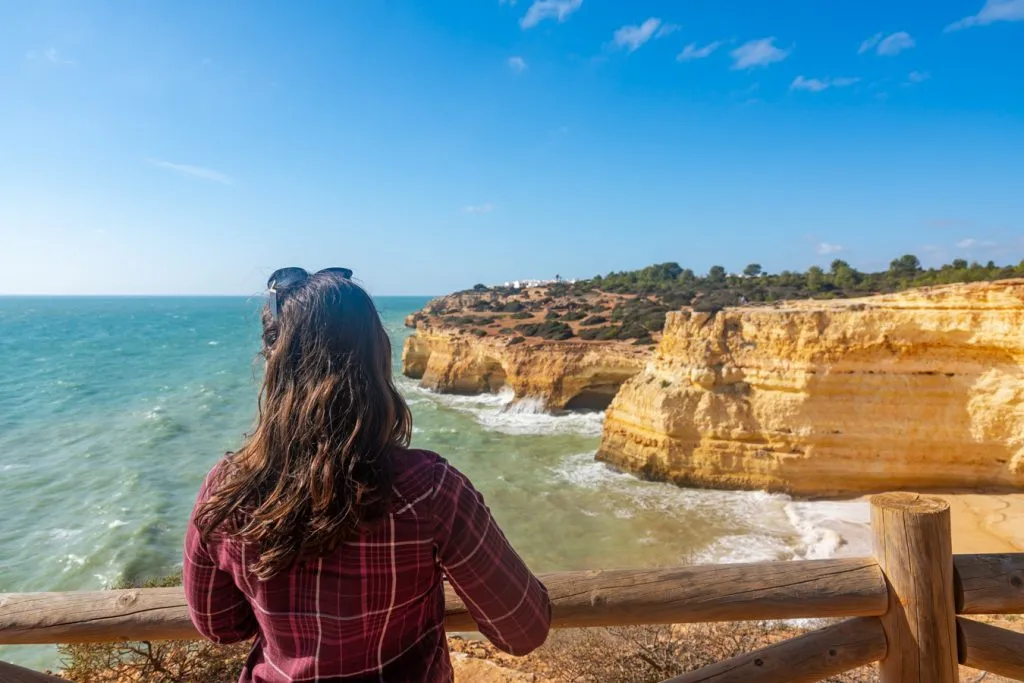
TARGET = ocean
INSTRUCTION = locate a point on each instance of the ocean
(112, 410)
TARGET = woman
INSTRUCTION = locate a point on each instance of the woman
(325, 536)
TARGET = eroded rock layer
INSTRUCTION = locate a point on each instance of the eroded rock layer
(563, 374)
(923, 389)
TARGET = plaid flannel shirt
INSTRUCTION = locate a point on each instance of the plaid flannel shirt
(373, 610)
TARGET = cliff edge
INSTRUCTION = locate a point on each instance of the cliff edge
(923, 389)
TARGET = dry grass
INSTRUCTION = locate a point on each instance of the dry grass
(634, 654)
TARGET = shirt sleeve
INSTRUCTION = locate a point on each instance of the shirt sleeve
(510, 605)
(219, 610)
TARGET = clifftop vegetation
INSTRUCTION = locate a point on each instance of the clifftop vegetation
(631, 305)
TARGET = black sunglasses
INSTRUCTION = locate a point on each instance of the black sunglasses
(283, 279)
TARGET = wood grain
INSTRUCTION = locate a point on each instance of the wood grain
(913, 545)
(735, 592)
(990, 648)
(989, 584)
(811, 657)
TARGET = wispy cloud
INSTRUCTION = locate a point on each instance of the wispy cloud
(51, 55)
(754, 53)
(486, 207)
(991, 12)
(194, 171)
(667, 30)
(825, 248)
(869, 44)
(887, 46)
(917, 77)
(692, 52)
(819, 84)
(895, 44)
(632, 37)
(540, 10)
(972, 243)
(517, 64)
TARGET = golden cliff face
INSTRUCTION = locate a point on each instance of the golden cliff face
(564, 374)
(923, 389)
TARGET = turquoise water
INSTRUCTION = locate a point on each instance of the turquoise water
(113, 409)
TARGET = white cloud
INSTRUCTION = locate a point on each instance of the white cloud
(755, 53)
(918, 77)
(825, 248)
(971, 243)
(194, 171)
(549, 9)
(692, 52)
(517, 64)
(632, 37)
(51, 55)
(895, 44)
(819, 84)
(812, 84)
(887, 46)
(667, 30)
(991, 12)
(486, 207)
(869, 44)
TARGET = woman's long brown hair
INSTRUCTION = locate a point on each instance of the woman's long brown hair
(317, 467)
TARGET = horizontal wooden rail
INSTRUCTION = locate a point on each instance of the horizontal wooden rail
(990, 648)
(989, 584)
(811, 657)
(733, 592)
(9, 673)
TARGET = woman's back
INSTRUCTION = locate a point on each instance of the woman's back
(374, 609)
(325, 538)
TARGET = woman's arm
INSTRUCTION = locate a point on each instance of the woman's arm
(510, 605)
(219, 610)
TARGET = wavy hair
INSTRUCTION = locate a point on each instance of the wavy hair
(317, 466)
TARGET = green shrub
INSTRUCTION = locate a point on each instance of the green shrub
(480, 333)
(547, 330)
(551, 315)
(521, 315)
(574, 315)
(513, 307)
(516, 340)
(594, 320)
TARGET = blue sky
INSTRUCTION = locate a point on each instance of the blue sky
(192, 147)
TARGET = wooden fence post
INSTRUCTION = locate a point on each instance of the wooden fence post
(914, 546)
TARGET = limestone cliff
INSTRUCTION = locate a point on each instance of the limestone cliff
(564, 374)
(923, 389)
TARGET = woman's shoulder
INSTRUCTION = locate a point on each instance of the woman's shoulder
(416, 473)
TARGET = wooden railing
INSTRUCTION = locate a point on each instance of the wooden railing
(905, 608)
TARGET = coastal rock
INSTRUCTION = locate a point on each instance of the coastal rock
(923, 390)
(563, 374)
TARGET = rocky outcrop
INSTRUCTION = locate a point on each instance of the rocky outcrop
(923, 389)
(563, 374)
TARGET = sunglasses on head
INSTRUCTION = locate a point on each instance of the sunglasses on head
(283, 279)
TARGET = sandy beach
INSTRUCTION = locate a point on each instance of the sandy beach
(987, 523)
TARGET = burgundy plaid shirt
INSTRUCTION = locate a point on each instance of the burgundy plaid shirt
(374, 609)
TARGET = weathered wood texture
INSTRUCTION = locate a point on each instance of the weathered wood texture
(990, 648)
(811, 657)
(9, 673)
(766, 590)
(913, 545)
(734, 592)
(989, 584)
